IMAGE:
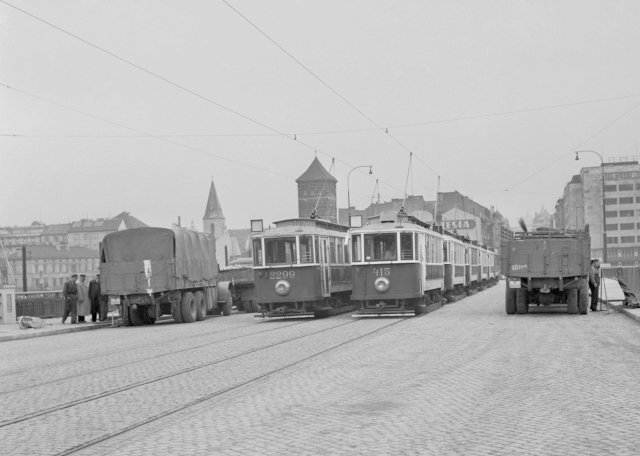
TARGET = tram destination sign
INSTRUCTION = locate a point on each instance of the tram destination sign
(461, 224)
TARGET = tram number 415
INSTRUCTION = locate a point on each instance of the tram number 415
(382, 272)
(277, 275)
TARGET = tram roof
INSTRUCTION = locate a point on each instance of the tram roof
(299, 226)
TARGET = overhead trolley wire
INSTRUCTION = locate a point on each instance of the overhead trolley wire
(168, 81)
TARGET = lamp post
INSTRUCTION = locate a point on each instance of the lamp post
(349, 193)
(604, 212)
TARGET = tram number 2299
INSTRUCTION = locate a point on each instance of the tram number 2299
(382, 272)
(277, 275)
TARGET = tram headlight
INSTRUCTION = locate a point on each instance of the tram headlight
(283, 287)
(381, 284)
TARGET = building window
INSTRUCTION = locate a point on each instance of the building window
(612, 240)
(610, 201)
(628, 239)
(612, 227)
(611, 213)
(610, 188)
(629, 213)
(626, 200)
(625, 187)
(627, 226)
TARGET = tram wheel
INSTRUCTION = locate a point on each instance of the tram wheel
(188, 307)
(201, 305)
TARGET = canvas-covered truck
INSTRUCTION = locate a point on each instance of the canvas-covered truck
(151, 272)
(547, 267)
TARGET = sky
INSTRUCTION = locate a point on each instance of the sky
(138, 105)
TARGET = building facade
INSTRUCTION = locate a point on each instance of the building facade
(618, 189)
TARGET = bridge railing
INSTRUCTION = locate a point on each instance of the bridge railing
(43, 304)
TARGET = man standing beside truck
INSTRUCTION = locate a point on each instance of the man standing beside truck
(594, 283)
(70, 293)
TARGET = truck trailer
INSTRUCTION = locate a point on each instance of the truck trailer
(547, 267)
(151, 272)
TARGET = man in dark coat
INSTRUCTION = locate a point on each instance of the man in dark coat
(70, 293)
(95, 298)
(594, 283)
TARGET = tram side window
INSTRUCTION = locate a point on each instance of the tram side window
(306, 249)
(379, 247)
(333, 259)
(280, 250)
(406, 246)
(356, 248)
(257, 252)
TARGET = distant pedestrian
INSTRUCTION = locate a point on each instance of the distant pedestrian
(84, 306)
(594, 283)
(70, 293)
(96, 300)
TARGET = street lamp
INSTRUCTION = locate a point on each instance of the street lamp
(349, 194)
(604, 212)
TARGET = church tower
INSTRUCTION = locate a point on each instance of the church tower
(317, 186)
(213, 221)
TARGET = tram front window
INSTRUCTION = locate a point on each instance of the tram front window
(406, 246)
(380, 247)
(306, 249)
(280, 251)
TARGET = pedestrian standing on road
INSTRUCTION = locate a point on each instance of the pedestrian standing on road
(594, 283)
(70, 294)
(94, 298)
(84, 306)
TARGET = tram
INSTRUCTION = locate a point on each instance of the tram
(301, 268)
(403, 266)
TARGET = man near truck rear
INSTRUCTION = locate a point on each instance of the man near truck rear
(594, 283)
(70, 293)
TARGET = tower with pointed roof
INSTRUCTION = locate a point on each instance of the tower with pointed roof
(317, 187)
(213, 221)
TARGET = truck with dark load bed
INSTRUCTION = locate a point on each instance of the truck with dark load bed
(548, 268)
(151, 272)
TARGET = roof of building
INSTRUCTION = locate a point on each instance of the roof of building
(130, 221)
(86, 225)
(49, 252)
(316, 172)
(213, 209)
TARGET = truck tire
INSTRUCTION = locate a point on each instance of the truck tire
(521, 301)
(176, 311)
(137, 319)
(188, 307)
(510, 300)
(201, 305)
(572, 301)
(226, 307)
(583, 299)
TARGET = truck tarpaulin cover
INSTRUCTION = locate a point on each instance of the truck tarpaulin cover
(179, 258)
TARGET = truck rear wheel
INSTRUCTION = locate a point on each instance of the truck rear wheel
(137, 319)
(510, 300)
(226, 307)
(583, 299)
(572, 301)
(201, 305)
(521, 301)
(188, 307)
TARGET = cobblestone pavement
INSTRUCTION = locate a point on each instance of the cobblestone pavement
(465, 380)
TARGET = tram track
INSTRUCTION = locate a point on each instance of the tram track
(136, 361)
(139, 384)
(220, 392)
(166, 342)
